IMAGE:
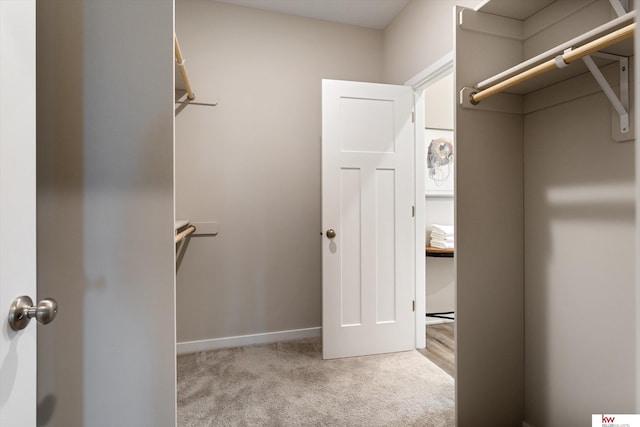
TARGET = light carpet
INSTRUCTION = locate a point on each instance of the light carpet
(288, 384)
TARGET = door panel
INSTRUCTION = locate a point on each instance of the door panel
(351, 247)
(17, 208)
(105, 207)
(386, 286)
(105, 212)
(367, 198)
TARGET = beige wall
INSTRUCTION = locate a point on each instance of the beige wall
(252, 163)
(438, 99)
(578, 297)
(420, 35)
(489, 245)
(262, 272)
(105, 212)
(261, 275)
(579, 290)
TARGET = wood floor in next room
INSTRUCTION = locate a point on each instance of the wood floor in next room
(440, 346)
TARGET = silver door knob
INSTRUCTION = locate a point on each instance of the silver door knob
(331, 233)
(22, 311)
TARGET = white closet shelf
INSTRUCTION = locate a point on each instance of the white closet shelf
(179, 223)
(610, 42)
(522, 20)
(622, 48)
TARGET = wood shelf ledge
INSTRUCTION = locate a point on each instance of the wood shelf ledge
(437, 252)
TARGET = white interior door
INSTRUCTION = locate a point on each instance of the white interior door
(17, 208)
(368, 219)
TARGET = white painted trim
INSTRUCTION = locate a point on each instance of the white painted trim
(481, 5)
(419, 83)
(268, 337)
(432, 73)
(419, 221)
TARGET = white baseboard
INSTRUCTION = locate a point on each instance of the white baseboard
(269, 337)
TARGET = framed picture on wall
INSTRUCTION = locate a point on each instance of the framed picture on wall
(440, 162)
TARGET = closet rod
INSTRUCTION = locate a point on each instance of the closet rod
(559, 61)
(604, 28)
(184, 233)
(183, 70)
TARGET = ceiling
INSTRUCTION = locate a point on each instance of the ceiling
(375, 14)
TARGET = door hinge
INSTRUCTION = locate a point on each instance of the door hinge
(413, 305)
(413, 117)
(413, 211)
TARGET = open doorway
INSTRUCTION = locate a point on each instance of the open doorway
(436, 84)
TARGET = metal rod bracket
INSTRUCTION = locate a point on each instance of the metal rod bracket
(620, 6)
(621, 105)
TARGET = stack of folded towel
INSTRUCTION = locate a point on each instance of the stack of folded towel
(442, 236)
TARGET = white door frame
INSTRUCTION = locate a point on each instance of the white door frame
(419, 83)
